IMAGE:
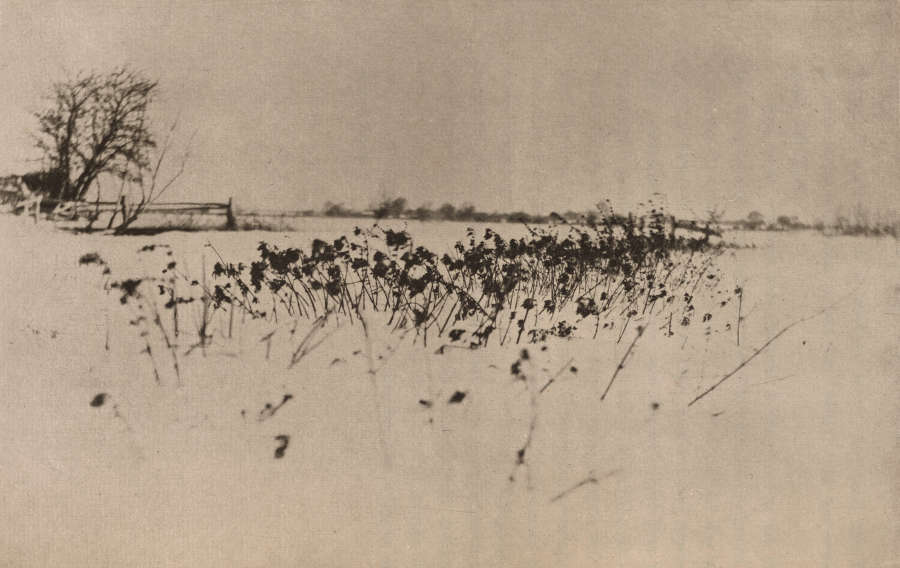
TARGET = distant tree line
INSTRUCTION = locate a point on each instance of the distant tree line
(755, 221)
(398, 208)
(858, 221)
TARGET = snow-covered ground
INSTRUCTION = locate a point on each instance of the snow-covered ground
(793, 461)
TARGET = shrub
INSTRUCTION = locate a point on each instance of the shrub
(620, 268)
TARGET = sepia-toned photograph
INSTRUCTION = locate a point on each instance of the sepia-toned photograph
(460, 283)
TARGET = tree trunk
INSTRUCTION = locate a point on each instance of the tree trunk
(128, 218)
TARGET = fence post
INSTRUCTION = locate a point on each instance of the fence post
(230, 221)
(37, 208)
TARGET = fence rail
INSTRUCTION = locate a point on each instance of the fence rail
(55, 208)
(108, 206)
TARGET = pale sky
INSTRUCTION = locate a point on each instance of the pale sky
(784, 107)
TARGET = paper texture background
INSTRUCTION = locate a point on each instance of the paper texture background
(788, 109)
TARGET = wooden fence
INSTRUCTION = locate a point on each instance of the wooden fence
(29, 206)
(75, 209)
(700, 227)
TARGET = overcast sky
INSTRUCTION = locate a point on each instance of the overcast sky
(784, 107)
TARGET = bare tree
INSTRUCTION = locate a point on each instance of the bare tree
(715, 215)
(136, 194)
(390, 207)
(96, 123)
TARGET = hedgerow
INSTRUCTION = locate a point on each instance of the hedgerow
(547, 283)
